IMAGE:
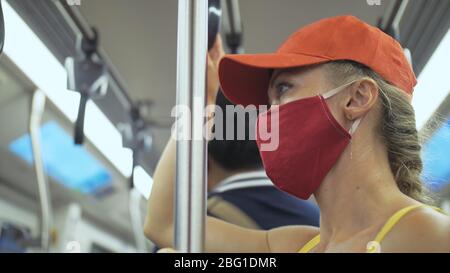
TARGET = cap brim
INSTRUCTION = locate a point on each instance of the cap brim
(244, 78)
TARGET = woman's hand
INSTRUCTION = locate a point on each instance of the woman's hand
(215, 54)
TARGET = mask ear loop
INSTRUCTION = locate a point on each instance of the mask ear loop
(355, 125)
(333, 92)
(351, 132)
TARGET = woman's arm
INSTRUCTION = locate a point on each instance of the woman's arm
(220, 236)
(159, 226)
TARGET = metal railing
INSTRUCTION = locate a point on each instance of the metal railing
(190, 192)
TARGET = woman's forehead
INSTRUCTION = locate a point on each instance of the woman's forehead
(291, 70)
(297, 71)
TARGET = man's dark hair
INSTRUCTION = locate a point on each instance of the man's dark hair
(234, 154)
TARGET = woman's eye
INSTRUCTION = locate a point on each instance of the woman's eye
(282, 88)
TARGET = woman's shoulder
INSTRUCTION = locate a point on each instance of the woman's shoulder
(422, 230)
(290, 238)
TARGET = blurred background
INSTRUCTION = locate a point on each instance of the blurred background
(91, 197)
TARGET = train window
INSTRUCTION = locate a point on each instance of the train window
(142, 181)
(436, 157)
(433, 83)
(432, 89)
(53, 82)
(71, 165)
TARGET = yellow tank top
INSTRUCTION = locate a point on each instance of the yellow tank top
(373, 246)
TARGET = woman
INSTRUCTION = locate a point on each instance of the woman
(341, 90)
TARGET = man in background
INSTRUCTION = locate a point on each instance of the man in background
(239, 190)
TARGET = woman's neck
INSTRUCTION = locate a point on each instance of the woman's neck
(359, 193)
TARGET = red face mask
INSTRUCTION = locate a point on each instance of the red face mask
(310, 141)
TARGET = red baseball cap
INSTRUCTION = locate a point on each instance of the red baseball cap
(244, 78)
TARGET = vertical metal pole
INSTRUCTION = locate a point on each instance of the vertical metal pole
(37, 110)
(198, 143)
(190, 192)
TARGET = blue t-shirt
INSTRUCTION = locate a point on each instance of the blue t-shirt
(255, 195)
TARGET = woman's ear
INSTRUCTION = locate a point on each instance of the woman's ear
(363, 96)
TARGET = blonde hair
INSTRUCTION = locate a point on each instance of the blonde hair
(397, 128)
